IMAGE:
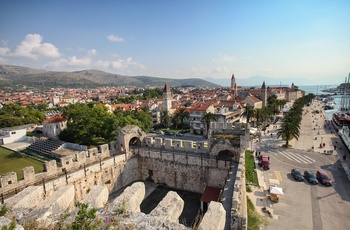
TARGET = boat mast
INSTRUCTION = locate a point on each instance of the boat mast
(344, 101)
(346, 94)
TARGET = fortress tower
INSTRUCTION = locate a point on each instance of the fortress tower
(167, 98)
(263, 94)
(233, 85)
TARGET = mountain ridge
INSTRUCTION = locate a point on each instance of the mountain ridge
(11, 75)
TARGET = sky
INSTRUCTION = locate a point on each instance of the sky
(308, 41)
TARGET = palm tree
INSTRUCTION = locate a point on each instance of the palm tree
(248, 112)
(182, 114)
(288, 130)
(281, 103)
(290, 127)
(207, 118)
(165, 118)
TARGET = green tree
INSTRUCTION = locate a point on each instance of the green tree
(182, 114)
(86, 218)
(165, 118)
(207, 118)
(248, 112)
(42, 106)
(288, 130)
(14, 115)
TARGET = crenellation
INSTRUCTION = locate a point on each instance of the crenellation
(188, 145)
(104, 150)
(50, 167)
(28, 173)
(168, 143)
(175, 163)
(158, 142)
(93, 153)
(8, 180)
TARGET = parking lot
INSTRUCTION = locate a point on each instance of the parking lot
(304, 205)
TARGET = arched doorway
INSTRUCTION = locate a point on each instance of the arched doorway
(226, 155)
(134, 142)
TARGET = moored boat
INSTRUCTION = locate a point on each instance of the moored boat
(341, 118)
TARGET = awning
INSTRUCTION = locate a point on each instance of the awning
(276, 190)
(210, 194)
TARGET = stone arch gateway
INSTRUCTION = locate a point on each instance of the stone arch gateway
(130, 135)
(224, 150)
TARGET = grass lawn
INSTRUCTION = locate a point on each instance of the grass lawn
(250, 172)
(255, 220)
(11, 161)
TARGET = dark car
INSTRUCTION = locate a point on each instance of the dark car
(179, 134)
(264, 162)
(168, 133)
(323, 178)
(310, 177)
(297, 175)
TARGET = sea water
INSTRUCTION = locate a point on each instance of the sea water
(317, 90)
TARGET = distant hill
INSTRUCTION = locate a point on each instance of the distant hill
(257, 81)
(22, 76)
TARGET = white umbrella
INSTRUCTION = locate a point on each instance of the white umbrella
(276, 190)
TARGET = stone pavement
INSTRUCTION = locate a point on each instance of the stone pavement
(316, 134)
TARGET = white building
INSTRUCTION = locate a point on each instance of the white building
(54, 125)
(15, 134)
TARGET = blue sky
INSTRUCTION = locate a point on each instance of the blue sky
(301, 40)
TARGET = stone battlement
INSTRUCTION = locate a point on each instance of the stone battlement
(9, 180)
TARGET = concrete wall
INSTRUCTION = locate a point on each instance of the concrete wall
(10, 136)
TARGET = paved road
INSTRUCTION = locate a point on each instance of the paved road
(305, 206)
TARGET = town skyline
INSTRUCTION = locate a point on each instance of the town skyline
(290, 42)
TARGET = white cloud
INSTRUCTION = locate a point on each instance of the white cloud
(4, 51)
(72, 62)
(3, 42)
(32, 47)
(121, 66)
(225, 58)
(221, 69)
(92, 52)
(115, 38)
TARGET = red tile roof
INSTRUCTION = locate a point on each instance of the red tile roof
(55, 119)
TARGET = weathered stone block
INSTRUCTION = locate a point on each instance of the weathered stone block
(131, 197)
(170, 208)
(28, 198)
(97, 197)
(214, 218)
(60, 201)
(6, 223)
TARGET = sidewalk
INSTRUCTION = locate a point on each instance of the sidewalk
(315, 130)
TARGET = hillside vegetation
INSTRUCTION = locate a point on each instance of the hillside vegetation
(17, 76)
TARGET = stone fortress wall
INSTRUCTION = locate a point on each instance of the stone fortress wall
(121, 165)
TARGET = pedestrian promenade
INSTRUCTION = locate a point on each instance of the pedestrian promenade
(316, 135)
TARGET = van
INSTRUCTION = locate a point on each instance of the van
(264, 162)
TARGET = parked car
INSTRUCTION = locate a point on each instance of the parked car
(264, 162)
(310, 177)
(297, 175)
(323, 178)
(152, 131)
(168, 133)
(179, 134)
(159, 132)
